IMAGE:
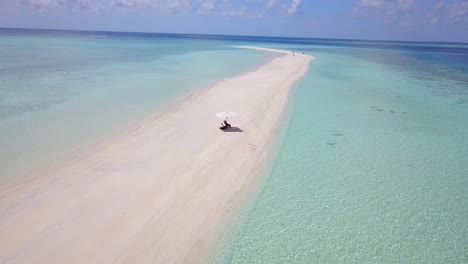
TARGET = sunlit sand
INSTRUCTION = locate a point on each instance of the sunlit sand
(160, 193)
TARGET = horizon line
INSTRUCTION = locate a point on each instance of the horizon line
(233, 35)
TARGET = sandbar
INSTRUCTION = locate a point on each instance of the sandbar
(159, 192)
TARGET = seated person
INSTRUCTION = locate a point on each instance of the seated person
(225, 125)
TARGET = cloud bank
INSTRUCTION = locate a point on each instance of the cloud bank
(412, 12)
(217, 7)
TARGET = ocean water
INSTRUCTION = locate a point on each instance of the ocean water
(63, 91)
(373, 167)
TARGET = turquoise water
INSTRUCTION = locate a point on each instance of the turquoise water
(373, 167)
(60, 93)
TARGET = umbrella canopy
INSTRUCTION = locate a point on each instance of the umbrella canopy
(226, 114)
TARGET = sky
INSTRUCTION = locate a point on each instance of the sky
(413, 20)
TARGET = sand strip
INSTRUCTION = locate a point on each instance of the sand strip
(155, 194)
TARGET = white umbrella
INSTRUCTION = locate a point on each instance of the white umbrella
(226, 114)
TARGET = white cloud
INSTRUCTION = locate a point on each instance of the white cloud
(291, 9)
(81, 4)
(389, 7)
(247, 8)
(294, 7)
(178, 6)
(39, 4)
(206, 6)
(73, 4)
(165, 6)
(371, 3)
(408, 12)
(131, 3)
(451, 12)
(272, 3)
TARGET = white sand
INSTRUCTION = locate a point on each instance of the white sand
(158, 194)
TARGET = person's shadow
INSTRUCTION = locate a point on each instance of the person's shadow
(231, 129)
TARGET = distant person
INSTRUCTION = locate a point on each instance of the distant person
(225, 125)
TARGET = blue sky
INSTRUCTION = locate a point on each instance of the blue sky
(417, 20)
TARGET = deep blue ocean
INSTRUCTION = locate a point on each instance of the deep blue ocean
(372, 166)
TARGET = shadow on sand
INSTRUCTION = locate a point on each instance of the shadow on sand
(232, 129)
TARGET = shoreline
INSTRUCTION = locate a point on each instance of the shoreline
(234, 218)
(135, 198)
(19, 176)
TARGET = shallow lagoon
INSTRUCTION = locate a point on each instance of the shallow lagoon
(63, 91)
(372, 169)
